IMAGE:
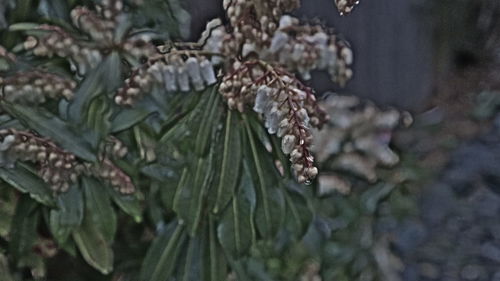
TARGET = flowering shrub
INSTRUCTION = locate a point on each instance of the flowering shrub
(206, 145)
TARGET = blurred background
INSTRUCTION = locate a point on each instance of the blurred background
(440, 60)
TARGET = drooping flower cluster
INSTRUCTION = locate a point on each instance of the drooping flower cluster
(261, 48)
(356, 140)
(258, 53)
(346, 6)
(35, 86)
(281, 39)
(175, 71)
(305, 48)
(57, 167)
(289, 109)
(56, 41)
(102, 28)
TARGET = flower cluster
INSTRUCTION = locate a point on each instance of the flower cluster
(299, 48)
(56, 166)
(102, 27)
(305, 48)
(346, 6)
(114, 176)
(35, 86)
(175, 71)
(356, 140)
(289, 109)
(97, 27)
(261, 48)
(113, 148)
(56, 41)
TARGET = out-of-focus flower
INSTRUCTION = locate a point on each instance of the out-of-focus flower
(355, 140)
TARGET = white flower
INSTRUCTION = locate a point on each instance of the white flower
(286, 21)
(347, 55)
(248, 48)
(262, 99)
(7, 142)
(156, 71)
(207, 72)
(280, 39)
(170, 78)
(272, 119)
(298, 51)
(284, 128)
(288, 144)
(194, 72)
(183, 79)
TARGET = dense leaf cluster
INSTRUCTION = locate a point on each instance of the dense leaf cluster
(172, 186)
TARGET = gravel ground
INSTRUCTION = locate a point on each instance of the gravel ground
(457, 236)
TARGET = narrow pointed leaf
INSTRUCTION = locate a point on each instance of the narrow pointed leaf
(103, 79)
(270, 207)
(235, 230)
(93, 246)
(98, 208)
(127, 118)
(190, 266)
(98, 122)
(51, 127)
(298, 214)
(23, 229)
(190, 198)
(69, 214)
(231, 162)
(161, 259)
(215, 264)
(130, 204)
(206, 123)
(25, 181)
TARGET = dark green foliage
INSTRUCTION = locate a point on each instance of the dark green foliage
(209, 202)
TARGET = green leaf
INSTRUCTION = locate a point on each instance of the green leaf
(94, 247)
(54, 9)
(270, 223)
(127, 118)
(235, 230)
(260, 132)
(231, 162)
(270, 208)
(23, 232)
(161, 259)
(69, 214)
(52, 127)
(130, 204)
(23, 26)
(4, 269)
(190, 267)
(298, 214)
(98, 208)
(190, 198)
(206, 122)
(104, 79)
(215, 264)
(98, 122)
(25, 181)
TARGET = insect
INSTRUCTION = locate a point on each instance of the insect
(346, 6)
